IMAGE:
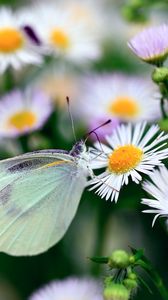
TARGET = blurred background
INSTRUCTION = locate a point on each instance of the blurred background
(99, 226)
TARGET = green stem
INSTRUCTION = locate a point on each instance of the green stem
(24, 143)
(102, 217)
(8, 82)
(164, 115)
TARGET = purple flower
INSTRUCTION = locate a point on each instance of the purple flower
(151, 44)
(71, 288)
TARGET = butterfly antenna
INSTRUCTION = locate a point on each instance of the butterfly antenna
(104, 124)
(95, 133)
(71, 119)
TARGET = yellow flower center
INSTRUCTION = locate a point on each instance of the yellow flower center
(124, 159)
(124, 107)
(10, 40)
(60, 39)
(22, 120)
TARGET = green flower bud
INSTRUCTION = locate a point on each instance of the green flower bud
(132, 259)
(119, 259)
(130, 284)
(116, 291)
(132, 275)
(163, 124)
(160, 75)
(108, 281)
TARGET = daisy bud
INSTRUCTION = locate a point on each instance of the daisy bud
(116, 291)
(132, 275)
(119, 259)
(130, 284)
(132, 259)
(160, 75)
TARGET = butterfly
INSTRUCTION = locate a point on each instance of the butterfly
(39, 195)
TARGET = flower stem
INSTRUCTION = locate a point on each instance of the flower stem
(24, 143)
(103, 213)
(164, 115)
(8, 82)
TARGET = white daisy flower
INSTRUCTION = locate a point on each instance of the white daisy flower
(158, 189)
(71, 288)
(131, 151)
(126, 98)
(15, 48)
(60, 35)
(23, 112)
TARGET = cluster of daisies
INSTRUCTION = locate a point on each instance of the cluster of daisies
(133, 149)
(71, 32)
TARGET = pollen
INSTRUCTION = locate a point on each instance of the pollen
(60, 39)
(22, 120)
(124, 159)
(10, 40)
(124, 107)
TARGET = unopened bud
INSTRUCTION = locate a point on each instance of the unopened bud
(132, 275)
(160, 75)
(116, 291)
(132, 259)
(119, 259)
(130, 284)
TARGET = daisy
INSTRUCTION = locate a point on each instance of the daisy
(120, 97)
(158, 189)
(62, 36)
(131, 151)
(71, 288)
(151, 45)
(15, 48)
(23, 112)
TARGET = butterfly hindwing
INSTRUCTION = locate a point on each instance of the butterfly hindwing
(39, 197)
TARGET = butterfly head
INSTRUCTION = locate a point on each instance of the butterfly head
(78, 149)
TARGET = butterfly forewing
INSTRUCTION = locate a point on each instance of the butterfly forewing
(39, 197)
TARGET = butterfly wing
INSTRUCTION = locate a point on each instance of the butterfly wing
(39, 196)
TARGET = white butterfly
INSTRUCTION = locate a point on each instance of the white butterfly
(39, 196)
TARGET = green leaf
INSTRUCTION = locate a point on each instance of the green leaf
(99, 259)
(145, 264)
(145, 284)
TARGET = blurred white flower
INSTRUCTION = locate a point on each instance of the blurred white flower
(60, 34)
(118, 96)
(71, 288)
(15, 47)
(23, 112)
(58, 83)
(88, 12)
